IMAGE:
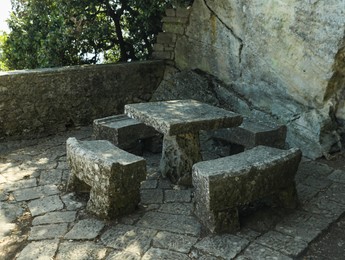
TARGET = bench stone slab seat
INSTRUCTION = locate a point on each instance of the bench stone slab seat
(112, 175)
(180, 121)
(222, 185)
(127, 133)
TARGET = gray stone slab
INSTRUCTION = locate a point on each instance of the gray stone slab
(312, 168)
(181, 224)
(303, 225)
(165, 184)
(177, 208)
(182, 116)
(224, 246)
(44, 205)
(177, 196)
(85, 229)
(21, 184)
(128, 238)
(151, 196)
(306, 193)
(80, 251)
(156, 253)
(55, 217)
(174, 242)
(337, 176)
(336, 192)
(50, 177)
(149, 184)
(323, 205)
(248, 234)
(48, 231)
(42, 250)
(10, 211)
(71, 203)
(123, 255)
(317, 183)
(258, 252)
(287, 245)
(35, 192)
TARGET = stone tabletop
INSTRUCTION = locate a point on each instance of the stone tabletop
(182, 116)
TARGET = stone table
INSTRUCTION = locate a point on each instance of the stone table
(180, 121)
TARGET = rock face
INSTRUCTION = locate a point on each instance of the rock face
(285, 57)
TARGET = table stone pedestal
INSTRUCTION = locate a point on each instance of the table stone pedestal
(179, 154)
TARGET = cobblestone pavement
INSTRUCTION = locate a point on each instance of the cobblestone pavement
(39, 219)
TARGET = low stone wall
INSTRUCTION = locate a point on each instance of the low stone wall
(41, 102)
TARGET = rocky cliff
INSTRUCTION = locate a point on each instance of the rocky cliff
(286, 59)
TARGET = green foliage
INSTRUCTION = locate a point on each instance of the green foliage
(3, 38)
(48, 33)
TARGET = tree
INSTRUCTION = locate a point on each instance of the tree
(3, 37)
(48, 33)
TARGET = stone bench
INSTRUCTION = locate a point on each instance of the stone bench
(127, 134)
(225, 184)
(112, 175)
(250, 134)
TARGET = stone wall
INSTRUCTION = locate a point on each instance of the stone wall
(41, 102)
(286, 59)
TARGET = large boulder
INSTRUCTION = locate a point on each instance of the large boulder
(285, 57)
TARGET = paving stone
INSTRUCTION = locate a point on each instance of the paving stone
(337, 176)
(288, 245)
(71, 203)
(3, 195)
(336, 193)
(317, 183)
(54, 218)
(165, 184)
(80, 251)
(321, 204)
(123, 255)
(22, 184)
(50, 177)
(224, 246)
(149, 184)
(258, 252)
(10, 211)
(130, 219)
(151, 196)
(85, 229)
(177, 196)
(175, 223)
(44, 205)
(248, 234)
(39, 250)
(2, 179)
(156, 253)
(174, 242)
(128, 238)
(35, 192)
(47, 231)
(177, 208)
(305, 193)
(312, 168)
(303, 225)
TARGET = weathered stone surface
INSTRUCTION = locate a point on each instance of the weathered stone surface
(182, 116)
(71, 203)
(177, 196)
(44, 205)
(149, 184)
(226, 246)
(128, 238)
(55, 217)
(11, 186)
(251, 175)
(80, 250)
(48, 231)
(51, 177)
(10, 211)
(124, 255)
(250, 134)
(181, 224)
(177, 208)
(256, 47)
(126, 133)
(288, 245)
(337, 176)
(156, 253)
(39, 250)
(174, 242)
(85, 229)
(47, 101)
(35, 192)
(113, 175)
(257, 252)
(151, 196)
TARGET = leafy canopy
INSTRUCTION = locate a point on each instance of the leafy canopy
(49, 33)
